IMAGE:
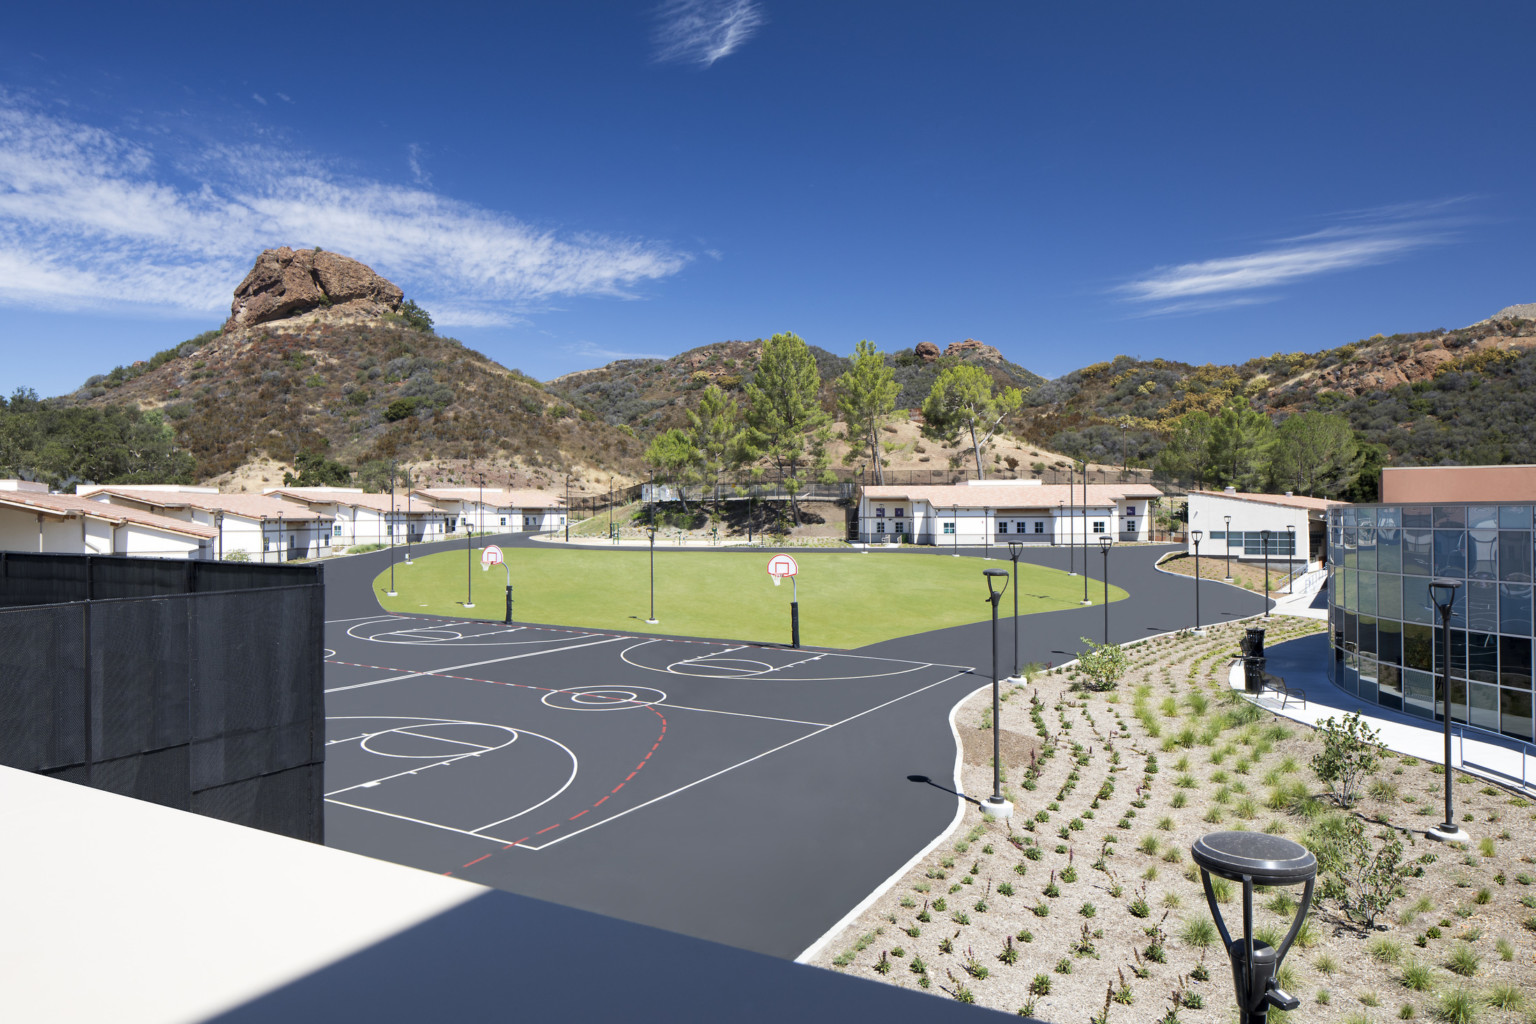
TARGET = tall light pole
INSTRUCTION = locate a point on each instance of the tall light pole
(996, 805)
(1290, 562)
(610, 505)
(1264, 536)
(1195, 535)
(1228, 535)
(955, 511)
(567, 508)
(1105, 543)
(652, 504)
(469, 545)
(1443, 593)
(406, 473)
(1015, 548)
(1085, 533)
(391, 591)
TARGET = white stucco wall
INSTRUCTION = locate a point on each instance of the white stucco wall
(1206, 513)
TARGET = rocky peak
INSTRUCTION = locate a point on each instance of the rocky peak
(974, 349)
(285, 282)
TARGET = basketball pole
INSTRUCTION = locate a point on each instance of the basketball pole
(794, 612)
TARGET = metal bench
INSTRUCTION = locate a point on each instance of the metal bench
(1287, 693)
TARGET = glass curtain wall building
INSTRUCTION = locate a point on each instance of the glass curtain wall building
(1386, 631)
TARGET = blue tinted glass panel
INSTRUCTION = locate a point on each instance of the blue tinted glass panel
(1419, 694)
(1483, 657)
(1515, 608)
(1389, 596)
(1485, 707)
(1458, 699)
(1515, 517)
(1366, 638)
(1389, 686)
(1482, 517)
(1418, 517)
(1368, 679)
(1365, 516)
(1515, 556)
(1351, 630)
(1417, 606)
(1515, 661)
(1346, 517)
(1483, 554)
(1515, 713)
(1389, 554)
(1451, 553)
(1351, 590)
(1351, 548)
(1449, 516)
(1367, 545)
(1389, 516)
(1418, 646)
(1367, 598)
(1482, 605)
(1389, 641)
(1418, 552)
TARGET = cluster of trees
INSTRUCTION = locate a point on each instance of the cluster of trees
(1314, 453)
(67, 445)
(784, 425)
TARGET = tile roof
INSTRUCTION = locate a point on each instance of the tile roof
(402, 502)
(71, 505)
(497, 498)
(1012, 495)
(1288, 500)
(244, 506)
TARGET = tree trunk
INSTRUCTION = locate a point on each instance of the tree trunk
(976, 450)
(874, 448)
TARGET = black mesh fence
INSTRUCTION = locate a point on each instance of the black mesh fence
(195, 685)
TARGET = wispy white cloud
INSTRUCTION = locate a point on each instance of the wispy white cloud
(259, 98)
(703, 31)
(413, 160)
(1361, 238)
(285, 97)
(588, 350)
(90, 219)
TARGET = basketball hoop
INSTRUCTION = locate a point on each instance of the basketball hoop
(780, 566)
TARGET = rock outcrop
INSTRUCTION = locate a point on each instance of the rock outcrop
(975, 350)
(285, 282)
(927, 351)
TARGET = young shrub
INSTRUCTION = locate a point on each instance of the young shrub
(1351, 751)
(1104, 664)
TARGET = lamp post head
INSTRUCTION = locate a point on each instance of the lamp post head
(1443, 593)
(1264, 534)
(995, 577)
(1015, 548)
(1196, 536)
(1105, 543)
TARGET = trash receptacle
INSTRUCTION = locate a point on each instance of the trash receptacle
(1254, 639)
(1253, 674)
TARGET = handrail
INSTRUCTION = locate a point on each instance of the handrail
(1526, 750)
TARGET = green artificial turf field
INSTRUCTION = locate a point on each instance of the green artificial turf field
(847, 599)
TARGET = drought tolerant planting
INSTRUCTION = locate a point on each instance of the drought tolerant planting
(847, 599)
(1087, 906)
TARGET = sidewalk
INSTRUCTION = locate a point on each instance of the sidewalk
(1303, 664)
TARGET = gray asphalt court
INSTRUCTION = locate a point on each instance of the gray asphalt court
(747, 794)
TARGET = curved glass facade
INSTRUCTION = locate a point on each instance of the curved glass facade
(1387, 642)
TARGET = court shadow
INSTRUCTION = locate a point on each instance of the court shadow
(926, 781)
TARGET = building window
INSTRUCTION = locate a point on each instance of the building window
(337, 529)
(879, 527)
(880, 512)
(900, 512)
(1098, 526)
(503, 520)
(1130, 526)
(949, 527)
(1039, 526)
(1002, 526)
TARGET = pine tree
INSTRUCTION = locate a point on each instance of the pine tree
(716, 436)
(1240, 437)
(962, 403)
(1313, 452)
(785, 421)
(866, 396)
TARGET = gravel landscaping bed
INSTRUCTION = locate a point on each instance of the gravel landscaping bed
(1087, 906)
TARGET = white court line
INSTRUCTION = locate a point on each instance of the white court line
(407, 817)
(473, 664)
(740, 764)
(712, 654)
(912, 666)
(740, 714)
(360, 618)
(440, 739)
(413, 771)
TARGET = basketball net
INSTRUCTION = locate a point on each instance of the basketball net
(777, 580)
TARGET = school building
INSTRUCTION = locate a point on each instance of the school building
(999, 511)
(495, 510)
(255, 526)
(1233, 524)
(31, 519)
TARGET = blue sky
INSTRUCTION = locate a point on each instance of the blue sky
(562, 184)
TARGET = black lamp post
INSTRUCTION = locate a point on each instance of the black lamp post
(1072, 518)
(1196, 536)
(1228, 535)
(1443, 593)
(1085, 533)
(1256, 858)
(1264, 536)
(1290, 562)
(610, 506)
(1105, 543)
(391, 592)
(652, 531)
(995, 804)
(406, 473)
(1015, 548)
(955, 511)
(567, 508)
